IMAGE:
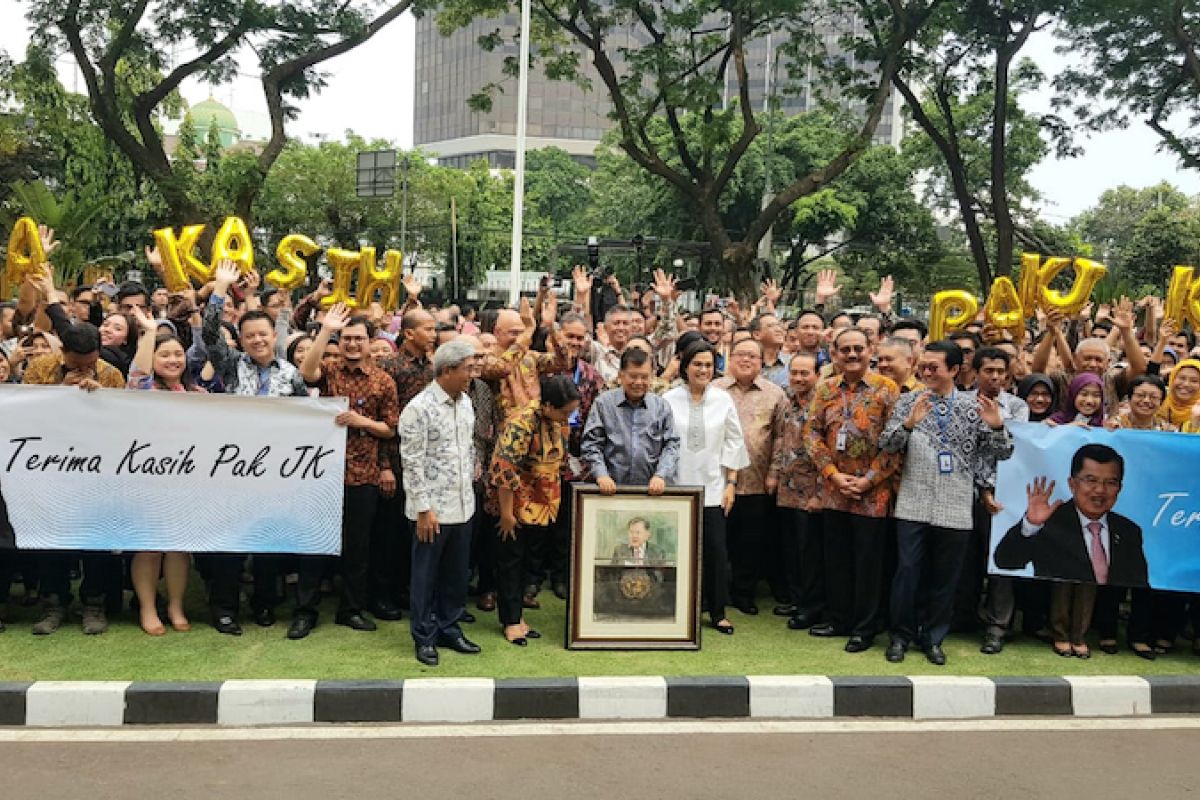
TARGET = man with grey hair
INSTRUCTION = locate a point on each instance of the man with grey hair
(1093, 355)
(438, 453)
(896, 359)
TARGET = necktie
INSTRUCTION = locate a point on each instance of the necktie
(1099, 557)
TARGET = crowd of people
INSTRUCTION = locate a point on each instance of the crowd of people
(848, 464)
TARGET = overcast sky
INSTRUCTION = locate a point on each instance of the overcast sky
(370, 91)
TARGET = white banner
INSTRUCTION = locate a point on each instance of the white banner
(130, 470)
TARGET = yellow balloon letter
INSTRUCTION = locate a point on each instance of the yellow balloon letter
(232, 242)
(25, 253)
(179, 257)
(292, 252)
(386, 281)
(345, 264)
(942, 321)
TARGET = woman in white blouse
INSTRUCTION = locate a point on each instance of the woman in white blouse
(711, 452)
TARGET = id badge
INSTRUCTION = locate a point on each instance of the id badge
(945, 463)
(841, 441)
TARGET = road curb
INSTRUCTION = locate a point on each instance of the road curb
(50, 704)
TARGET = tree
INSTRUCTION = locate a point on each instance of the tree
(1161, 239)
(57, 143)
(111, 40)
(966, 61)
(1109, 225)
(1135, 59)
(676, 78)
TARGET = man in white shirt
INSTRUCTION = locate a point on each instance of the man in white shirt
(438, 453)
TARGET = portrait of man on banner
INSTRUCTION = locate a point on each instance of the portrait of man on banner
(1081, 539)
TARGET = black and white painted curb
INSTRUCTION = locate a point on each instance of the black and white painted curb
(281, 702)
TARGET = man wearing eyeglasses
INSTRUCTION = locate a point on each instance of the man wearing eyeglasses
(841, 437)
(1080, 539)
(942, 433)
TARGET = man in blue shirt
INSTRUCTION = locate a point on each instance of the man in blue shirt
(630, 436)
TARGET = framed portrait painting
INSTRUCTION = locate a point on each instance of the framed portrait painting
(635, 570)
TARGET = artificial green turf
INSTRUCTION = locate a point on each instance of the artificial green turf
(762, 645)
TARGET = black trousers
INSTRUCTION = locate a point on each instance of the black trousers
(929, 562)
(549, 554)
(714, 583)
(746, 533)
(1107, 611)
(1153, 615)
(225, 579)
(511, 555)
(387, 572)
(854, 548)
(804, 560)
(358, 519)
(968, 592)
(483, 548)
(439, 583)
(102, 576)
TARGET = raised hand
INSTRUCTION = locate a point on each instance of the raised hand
(989, 410)
(336, 318)
(882, 299)
(1122, 315)
(411, 285)
(827, 286)
(1040, 508)
(154, 259)
(1168, 328)
(549, 308)
(252, 280)
(526, 312)
(144, 319)
(325, 288)
(919, 411)
(49, 243)
(664, 284)
(226, 275)
(583, 281)
(43, 281)
(771, 292)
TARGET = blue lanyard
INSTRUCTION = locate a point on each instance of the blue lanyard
(943, 419)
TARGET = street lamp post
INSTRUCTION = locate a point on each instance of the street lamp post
(404, 204)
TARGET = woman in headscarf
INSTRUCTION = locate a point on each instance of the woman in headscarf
(1085, 403)
(1183, 392)
(1039, 393)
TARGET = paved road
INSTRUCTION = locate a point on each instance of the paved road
(729, 762)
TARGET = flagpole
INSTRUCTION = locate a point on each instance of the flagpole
(514, 291)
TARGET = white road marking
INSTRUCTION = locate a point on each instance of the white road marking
(646, 728)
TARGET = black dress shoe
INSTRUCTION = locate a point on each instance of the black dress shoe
(858, 644)
(784, 610)
(427, 655)
(936, 655)
(387, 611)
(747, 607)
(560, 590)
(1147, 654)
(991, 645)
(825, 630)
(799, 622)
(1108, 647)
(530, 601)
(520, 641)
(227, 625)
(461, 644)
(532, 634)
(264, 617)
(356, 622)
(467, 617)
(895, 650)
(300, 627)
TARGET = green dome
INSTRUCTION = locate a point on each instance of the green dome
(204, 115)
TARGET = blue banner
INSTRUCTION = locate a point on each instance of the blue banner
(1135, 494)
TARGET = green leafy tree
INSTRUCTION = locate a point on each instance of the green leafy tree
(976, 132)
(1161, 239)
(112, 40)
(665, 66)
(1108, 227)
(1135, 59)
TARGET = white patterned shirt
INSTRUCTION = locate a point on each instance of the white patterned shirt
(437, 452)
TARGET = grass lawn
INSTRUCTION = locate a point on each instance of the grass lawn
(761, 646)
